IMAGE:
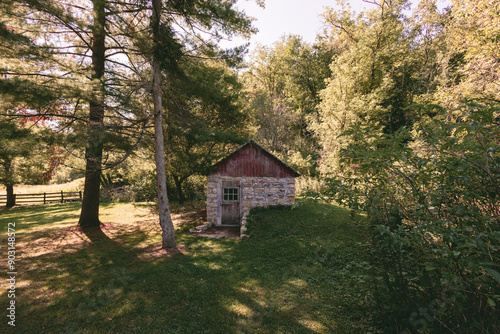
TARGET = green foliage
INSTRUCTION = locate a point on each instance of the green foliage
(432, 195)
(135, 181)
(106, 180)
(371, 80)
(204, 119)
(282, 87)
(472, 31)
(25, 151)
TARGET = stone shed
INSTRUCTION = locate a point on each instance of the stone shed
(249, 177)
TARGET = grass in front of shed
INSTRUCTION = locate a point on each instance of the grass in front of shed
(302, 271)
(60, 216)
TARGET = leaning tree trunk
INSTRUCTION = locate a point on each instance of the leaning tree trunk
(168, 232)
(89, 216)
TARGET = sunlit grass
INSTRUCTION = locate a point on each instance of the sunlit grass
(300, 272)
(57, 216)
(75, 185)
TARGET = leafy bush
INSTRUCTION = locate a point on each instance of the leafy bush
(432, 195)
(134, 181)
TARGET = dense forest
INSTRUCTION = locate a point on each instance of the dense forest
(391, 112)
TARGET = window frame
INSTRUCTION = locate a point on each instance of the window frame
(230, 194)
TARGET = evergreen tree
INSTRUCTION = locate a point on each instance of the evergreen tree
(89, 215)
(24, 152)
(15, 142)
(180, 30)
(204, 118)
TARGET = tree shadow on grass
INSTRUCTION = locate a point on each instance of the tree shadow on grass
(216, 286)
(97, 236)
(34, 216)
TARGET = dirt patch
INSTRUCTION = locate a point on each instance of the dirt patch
(218, 232)
(157, 251)
(188, 216)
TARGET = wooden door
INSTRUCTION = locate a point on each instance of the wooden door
(230, 204)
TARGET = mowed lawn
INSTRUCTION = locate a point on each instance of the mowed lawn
(303, 270)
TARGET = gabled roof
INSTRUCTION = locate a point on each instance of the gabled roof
(218, 167)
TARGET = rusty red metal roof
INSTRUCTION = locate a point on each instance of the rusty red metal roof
(251, 159)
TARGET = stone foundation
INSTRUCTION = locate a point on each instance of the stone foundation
(254, 191)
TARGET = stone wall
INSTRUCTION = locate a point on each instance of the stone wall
(254, 191)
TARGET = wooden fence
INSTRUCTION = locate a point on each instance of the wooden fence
(44, 198)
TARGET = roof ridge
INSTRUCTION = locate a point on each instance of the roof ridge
(261, 148)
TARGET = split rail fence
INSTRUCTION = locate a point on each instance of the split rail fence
(44, 198)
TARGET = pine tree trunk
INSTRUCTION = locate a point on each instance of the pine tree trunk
(9, 183)
(89, 216)
(11, 200)
(167, 227)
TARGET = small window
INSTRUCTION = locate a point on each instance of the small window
(230, 194)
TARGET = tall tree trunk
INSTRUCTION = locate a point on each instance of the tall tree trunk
(11, 200)
(167, 227)
(178, 184)
(9, 184)
(89, 216)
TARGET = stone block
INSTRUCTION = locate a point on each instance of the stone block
(273, 201)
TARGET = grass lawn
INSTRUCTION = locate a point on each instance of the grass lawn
(74, 185)
(302, 271)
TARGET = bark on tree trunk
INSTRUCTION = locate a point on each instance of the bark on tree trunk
(11, 200)
(89, 216)
(178, 185)
(9, 184)
(167, 227)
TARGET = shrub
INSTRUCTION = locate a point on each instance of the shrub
(432, 195)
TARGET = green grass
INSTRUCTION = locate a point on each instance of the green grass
(57, 216)
(302, 271)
